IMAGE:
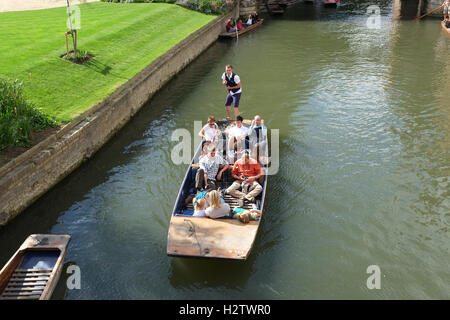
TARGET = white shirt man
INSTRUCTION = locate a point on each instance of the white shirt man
(236, 79)
(238, 133)
(233, 85)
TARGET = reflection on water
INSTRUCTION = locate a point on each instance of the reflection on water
(191, 273)
(364, 169)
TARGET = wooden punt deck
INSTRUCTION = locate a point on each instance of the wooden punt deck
(19, 282)
(211, 238)
(26, 284)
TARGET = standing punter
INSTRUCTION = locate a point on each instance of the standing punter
(233, 84)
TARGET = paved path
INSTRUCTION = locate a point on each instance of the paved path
(21, 5)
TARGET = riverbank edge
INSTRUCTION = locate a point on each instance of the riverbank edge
(29, 176)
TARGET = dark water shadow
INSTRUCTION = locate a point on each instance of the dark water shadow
(209, 273)
(61, 287)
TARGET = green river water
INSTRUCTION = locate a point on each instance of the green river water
(363, 117)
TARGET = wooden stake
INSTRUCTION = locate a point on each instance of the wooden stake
(67, 45)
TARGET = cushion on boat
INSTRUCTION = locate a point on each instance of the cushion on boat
(39, 259)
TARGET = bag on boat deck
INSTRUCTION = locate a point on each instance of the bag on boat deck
(201, 195)
(191, 197)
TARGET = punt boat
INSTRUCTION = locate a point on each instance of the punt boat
(242, 31)
(274, 8)
(203, 237)
(331, 3)
(446, 30)
(33, 271)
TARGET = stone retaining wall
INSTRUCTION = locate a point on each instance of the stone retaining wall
(249, 6)
(26, 178)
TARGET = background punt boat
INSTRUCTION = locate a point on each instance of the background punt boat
(33, 271)
(240, 32)
(446, 30)
(202, 237)
(274, 8)
(331, 3)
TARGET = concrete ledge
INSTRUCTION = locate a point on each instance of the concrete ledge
(26, 178)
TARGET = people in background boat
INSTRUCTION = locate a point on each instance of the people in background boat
(217, 206)
(255, 17)
(199, 207)
(229, 25)
(238, 26)
(249, 21)
(229, 3)
(237, 136)
(233, 85)
(246, 171)
(211, 168)
(210, 131)
(447, 14)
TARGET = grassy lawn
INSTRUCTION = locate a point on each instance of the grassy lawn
(124, 38)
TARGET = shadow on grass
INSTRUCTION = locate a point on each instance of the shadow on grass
(92, 63)
(102, 68)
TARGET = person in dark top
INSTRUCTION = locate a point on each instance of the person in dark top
(238, 27)
(229, 25)
(233, 85)
(255, 17)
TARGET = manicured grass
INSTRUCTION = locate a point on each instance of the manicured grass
(124, 38)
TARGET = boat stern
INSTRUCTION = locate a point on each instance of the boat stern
(208, 238)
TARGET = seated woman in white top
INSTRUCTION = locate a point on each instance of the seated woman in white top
(210, 131)
(217, 206)
(249, 21)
